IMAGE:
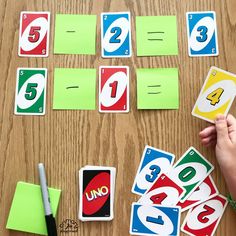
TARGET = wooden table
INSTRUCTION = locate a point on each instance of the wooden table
(67, 140)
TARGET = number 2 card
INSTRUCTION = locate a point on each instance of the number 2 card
(30, 96)
(202, 34)
(216, 96)
(116, 34)
(114, 89)
(34, 34)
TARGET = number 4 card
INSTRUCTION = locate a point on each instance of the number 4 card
(114, 89)
(216, 96)
(30, 91)
(116, 34)
(34, 34)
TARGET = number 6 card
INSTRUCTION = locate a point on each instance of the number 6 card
(30, 91)
(34, 34)
(216, 96)
(114, 89)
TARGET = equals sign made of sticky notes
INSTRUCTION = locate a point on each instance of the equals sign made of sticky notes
(154, 86)
(157, 33)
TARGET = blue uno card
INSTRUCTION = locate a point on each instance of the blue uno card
(116, 34)
(154, 162)
(202, 34)
(154, 220)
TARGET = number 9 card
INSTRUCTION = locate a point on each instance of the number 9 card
(34, 34)
(216, 96)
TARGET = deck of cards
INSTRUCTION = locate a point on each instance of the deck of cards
(97, 189)
(167, 190)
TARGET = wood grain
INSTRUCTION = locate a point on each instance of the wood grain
(67, 140)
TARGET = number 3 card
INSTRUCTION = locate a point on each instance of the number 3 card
(34, 34)
(216, 96)
(202, 34)
(116, 34)
(114, 89)
(30, 91)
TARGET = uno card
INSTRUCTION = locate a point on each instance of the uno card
(154, 220)
(114, 89)
(190, 171)
(30, 98)
(34, 34)
(202, 34)
(95, 194)
(164, 192)
(206, 190)
(203, 219)
(116, 34)
(216, 96)
(154, 162)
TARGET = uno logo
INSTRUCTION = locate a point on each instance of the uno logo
(106, 97)
(166, 228)
(36, 29)
(204, 105)
(202, 33)
(28, 94)
(96, 193)
(142, 182)
(116, 34)
(205, 214)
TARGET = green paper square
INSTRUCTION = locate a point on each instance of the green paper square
(27, 211)
(156, 35)
(157, 88)
(74, 89)
(75, 34)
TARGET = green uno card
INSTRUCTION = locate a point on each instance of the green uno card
(30, 91)
(190, 171)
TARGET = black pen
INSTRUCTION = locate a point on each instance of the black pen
(50, 220)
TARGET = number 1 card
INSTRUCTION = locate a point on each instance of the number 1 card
(216, 96)
(34, 34)
(116, 34)
(114, 89)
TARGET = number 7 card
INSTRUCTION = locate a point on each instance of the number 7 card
(216, 96)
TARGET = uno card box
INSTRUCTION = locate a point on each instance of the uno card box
(34, 34)
(216, 96)
(96, 198)
(202, 34)
(30, 98)
(116, 34)
(114, 89)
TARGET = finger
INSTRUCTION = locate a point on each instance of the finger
(222, 130)
(212, 143)
(231, 121)
(208, 131)
(207, 140)
(232, 128)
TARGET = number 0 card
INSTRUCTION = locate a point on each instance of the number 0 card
(30, 91)
(34, 34)
(114, 89)
(216, 96)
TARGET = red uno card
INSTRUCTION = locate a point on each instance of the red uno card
(34, 34)
(114, 89)
(207, 189)
(203, 219)
(164, 191)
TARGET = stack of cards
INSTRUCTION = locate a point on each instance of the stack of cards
(97, 189)
(168, 190)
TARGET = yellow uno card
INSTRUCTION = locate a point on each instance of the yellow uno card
(216, 96)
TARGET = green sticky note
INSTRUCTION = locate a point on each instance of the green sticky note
(75, 34)
(27, 211)
(157, 88)
(156, 35)
(74, 89)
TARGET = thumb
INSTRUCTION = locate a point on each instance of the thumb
(221, 129)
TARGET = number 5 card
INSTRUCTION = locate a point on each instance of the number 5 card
(114, 89)
(216, 96)
(116, 34)
(34, 34)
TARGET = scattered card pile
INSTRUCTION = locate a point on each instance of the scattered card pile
(168, 190)
(97, 189)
